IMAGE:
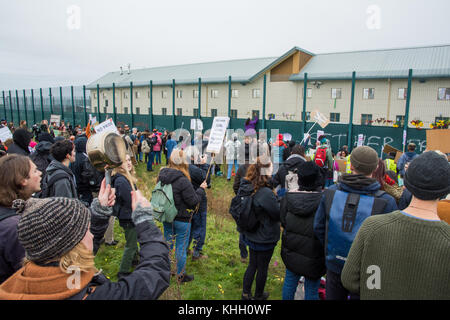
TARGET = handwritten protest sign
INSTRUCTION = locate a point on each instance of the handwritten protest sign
(218, 130)
(106, 126)
(55, 118)
(5, 134)
(320, 118)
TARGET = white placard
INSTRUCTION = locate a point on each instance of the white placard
(287, 137)
(106, 126)
(360, 140)
(320, 133)
(218, 130)
(196, 124)
(92, 120)
(5, 134)
(320, 118)
(55, 118)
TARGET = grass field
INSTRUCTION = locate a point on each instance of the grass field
(220, 276)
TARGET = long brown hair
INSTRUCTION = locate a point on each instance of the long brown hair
(14, 169)
(179, 161)
(255, 173)
(380, 173)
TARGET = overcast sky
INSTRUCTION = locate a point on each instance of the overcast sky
(47, 43)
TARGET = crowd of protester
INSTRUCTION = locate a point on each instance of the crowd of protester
(337, 226)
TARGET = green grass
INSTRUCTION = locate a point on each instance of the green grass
(220, 276)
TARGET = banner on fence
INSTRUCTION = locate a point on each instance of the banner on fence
(218, 130)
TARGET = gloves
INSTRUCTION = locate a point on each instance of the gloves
(141, 214)
(100, 211)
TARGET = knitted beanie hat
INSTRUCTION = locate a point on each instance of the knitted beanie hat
(49, 228)
(364, 159)
(428, 176)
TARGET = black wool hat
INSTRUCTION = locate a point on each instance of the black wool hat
(309, 176)
(428, 176)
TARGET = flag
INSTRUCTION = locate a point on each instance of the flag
(335, 103)
(88, 130)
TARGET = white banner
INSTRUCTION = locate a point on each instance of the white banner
(196, 124)
(218, 130)
(55, 118)
(106, 126)
(5, 134)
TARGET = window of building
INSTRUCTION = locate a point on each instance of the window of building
(125, 110)
(441, 118)
(308, 116)
(214, 93)
(256, 93)
(195, 94)
(213, 113)
(402, 93)
(335, 117)
(106, 103)
(179, 111)
(179, 94)
(138, 110)
(164, 94)
(255, 113)
(400, 120)
(137, 94)
(369, 93)
(444, 94)
(105, 110)
(125, 95)
(308, 92)
(336, 93)
(104, 95)
(235, 93)
(195, 112)
(95, 109)
(164, 111)
(366, 119)
(271, 116)
(233, 113)
(95, 95)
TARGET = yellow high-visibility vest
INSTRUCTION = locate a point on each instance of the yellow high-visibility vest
(391, 165)
(347, 165)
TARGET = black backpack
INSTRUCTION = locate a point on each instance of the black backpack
(242, 212)
(47, 184)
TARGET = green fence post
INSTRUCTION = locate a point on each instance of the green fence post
(18, 108)
(61, 103)
(151, 105)
(229, 96)
(408, 100)
(131, 104)
(199, 98)
(98, 103)
(73, 107)
(114, 104)
(51, 100)
(4, 103)
(173, 104)
(350, 121)
(11, 107)
(84, 105)
(42, 104)
(305, 93)
(264, 102)
(32, 106)
(25, 105)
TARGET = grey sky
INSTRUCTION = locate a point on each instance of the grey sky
(38, 49)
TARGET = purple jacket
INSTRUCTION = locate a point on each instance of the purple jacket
(251, 124)
(11, 251)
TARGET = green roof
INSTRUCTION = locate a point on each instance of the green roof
(426, 62)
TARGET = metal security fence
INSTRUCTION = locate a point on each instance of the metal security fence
(353, 106)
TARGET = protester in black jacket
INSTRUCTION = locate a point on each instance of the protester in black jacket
(44, 135)
(186, 199)
(263, 240)
(81, 280)
(288, 151)
(294, 162)
(21, 138)
(13, 169)
(301, 251)
(42, 156)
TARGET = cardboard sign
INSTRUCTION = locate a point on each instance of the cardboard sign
(388, 149)
(342, 164)
(438, 139)
(5, 134)
(218, 130)
(106, 126)
(196, 124)
(55, 118)
(320, 118)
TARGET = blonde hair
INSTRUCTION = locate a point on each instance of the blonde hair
(179, 161)
(130, 175)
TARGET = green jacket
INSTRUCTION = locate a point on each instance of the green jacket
(410, 257)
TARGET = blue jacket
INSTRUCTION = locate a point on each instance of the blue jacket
(320, 222)
(405, 158)
(170, 145)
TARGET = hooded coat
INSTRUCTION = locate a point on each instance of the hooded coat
(301, 251)
(295, 161)
(21, 138)
(42, 156)
(86, 176)
(64, 187)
